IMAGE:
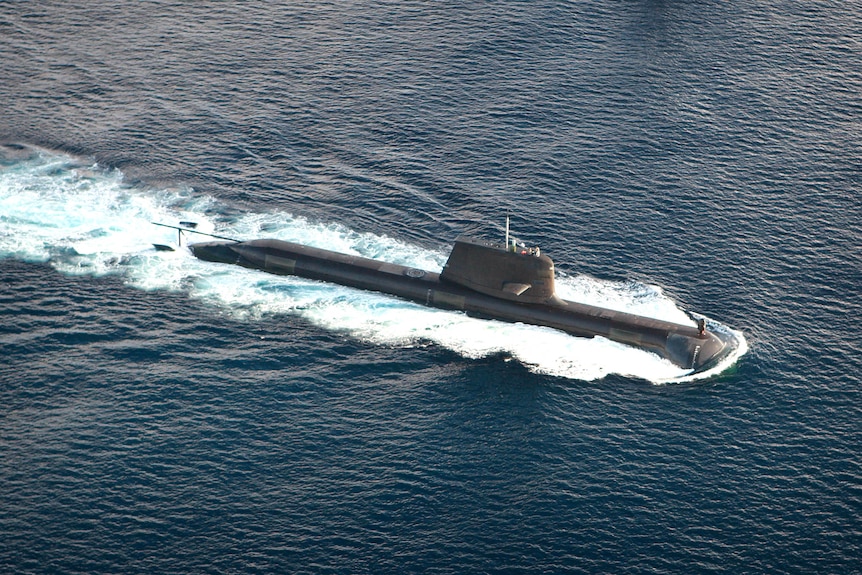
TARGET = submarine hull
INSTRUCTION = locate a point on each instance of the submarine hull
(685, 346)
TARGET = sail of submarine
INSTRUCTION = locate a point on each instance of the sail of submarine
(503, 282)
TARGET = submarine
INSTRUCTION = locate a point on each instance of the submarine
(483, 279)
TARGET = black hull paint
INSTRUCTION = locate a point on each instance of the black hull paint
(683, 345)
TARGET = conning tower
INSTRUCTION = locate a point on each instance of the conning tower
(513, 272)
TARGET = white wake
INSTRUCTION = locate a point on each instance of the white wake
(85, 220)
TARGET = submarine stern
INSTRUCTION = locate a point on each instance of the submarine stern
(221, 252)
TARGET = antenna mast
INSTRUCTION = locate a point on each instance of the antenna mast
(507, 231)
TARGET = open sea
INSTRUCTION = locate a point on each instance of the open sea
(160, 414)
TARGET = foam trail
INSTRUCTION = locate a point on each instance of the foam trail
(85, 220)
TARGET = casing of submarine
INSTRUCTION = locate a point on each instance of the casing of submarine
(685, 346)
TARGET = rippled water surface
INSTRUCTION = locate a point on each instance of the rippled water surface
(161, 414)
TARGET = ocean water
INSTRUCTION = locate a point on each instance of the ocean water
(166, 415)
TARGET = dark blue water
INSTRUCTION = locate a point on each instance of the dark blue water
(164, 415)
